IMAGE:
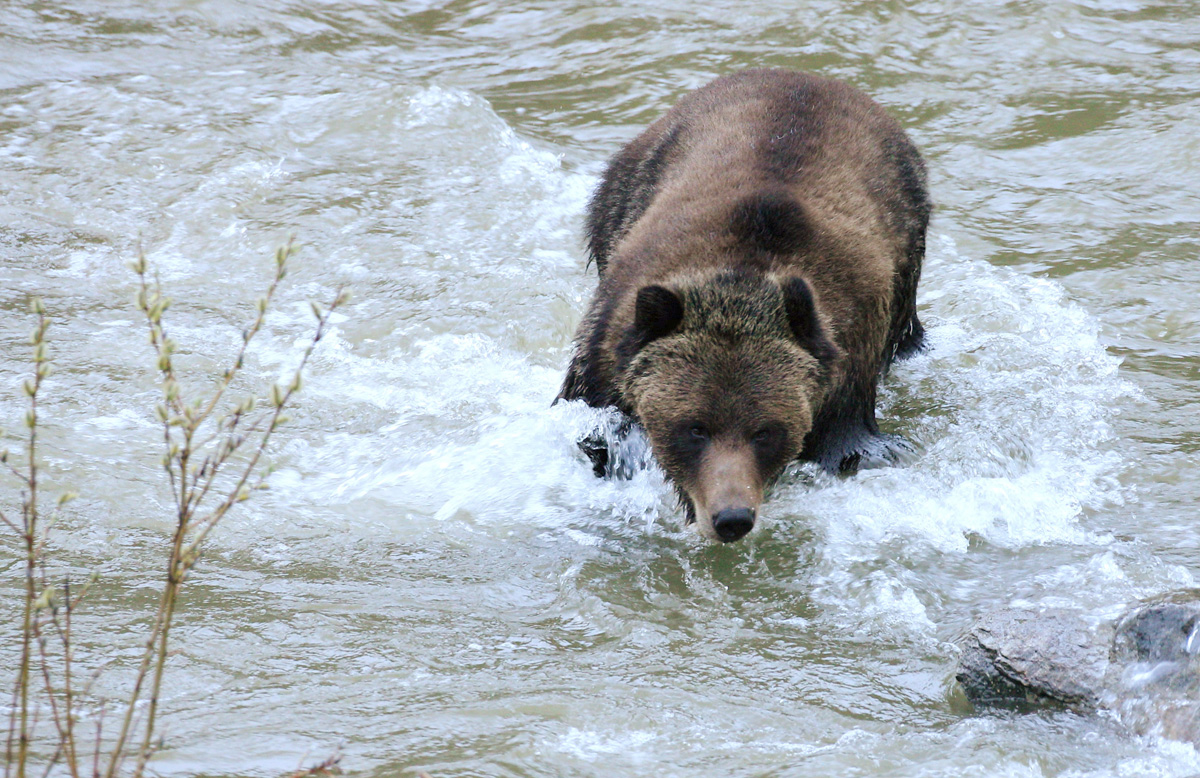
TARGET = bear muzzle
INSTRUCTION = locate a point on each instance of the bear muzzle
(728, 493)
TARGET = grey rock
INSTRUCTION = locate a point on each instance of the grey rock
(1145, 667)
(1164, 629)
(1154, 677)
(1025, 659)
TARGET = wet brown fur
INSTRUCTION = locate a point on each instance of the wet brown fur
(786, 214)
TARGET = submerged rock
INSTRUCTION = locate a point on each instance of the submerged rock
(1145, 667)
(1164, 629)
(1154, 676)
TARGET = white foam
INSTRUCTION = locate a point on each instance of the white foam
(1011, 407)
(470, 435)
(592, 746)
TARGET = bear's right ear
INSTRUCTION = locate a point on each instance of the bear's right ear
(657, 313)
(804, 322)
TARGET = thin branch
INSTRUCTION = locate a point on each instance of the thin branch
(99, 733)
(281, 257)
(169, 444)
(20, 476)
(237, 493)
(58, 753)
(23, 729)
(43, 654)
(174, 580)
(327, 767)
(184, 557)
(9, 760)
(63, 629)
(231, 446)
(144, 667)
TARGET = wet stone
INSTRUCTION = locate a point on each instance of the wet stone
(1145, 667)
(1026, 660)
(1165, 629)
(1154, 678)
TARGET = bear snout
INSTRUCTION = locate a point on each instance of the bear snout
(727, 491)
(733, 523)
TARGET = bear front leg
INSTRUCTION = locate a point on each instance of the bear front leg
(617, 447)
(846, 438)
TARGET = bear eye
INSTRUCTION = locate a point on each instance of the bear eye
(699, 432)
(767, 435)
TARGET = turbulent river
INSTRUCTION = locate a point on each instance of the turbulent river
(435, 580)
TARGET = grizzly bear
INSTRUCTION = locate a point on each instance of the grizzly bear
(758, 248)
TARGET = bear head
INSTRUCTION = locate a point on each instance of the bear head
(725, 373)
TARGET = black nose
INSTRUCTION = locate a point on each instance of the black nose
(732, 523)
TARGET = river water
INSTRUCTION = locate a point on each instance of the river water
(436, 581)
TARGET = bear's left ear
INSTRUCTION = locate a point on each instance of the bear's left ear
(804, 322)
(657, 313)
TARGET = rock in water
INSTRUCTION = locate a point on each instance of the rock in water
(1164, 629)
(1154, 677)
(1027, 660)
(1145, 667)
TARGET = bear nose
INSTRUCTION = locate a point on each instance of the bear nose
(732, 523)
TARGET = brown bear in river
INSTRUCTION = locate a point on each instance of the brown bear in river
(759, 248)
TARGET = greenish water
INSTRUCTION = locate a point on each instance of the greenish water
(436, 581)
